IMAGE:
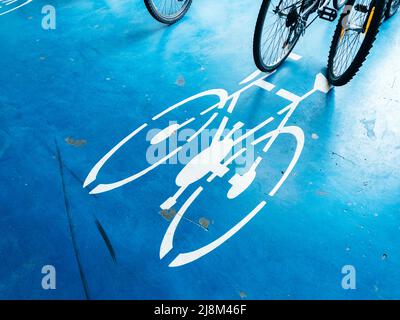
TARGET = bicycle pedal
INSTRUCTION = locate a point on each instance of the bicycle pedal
(328, 14)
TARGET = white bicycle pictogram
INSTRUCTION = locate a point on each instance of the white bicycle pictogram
(214, 161)
(7, 6)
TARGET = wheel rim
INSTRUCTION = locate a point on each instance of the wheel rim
(355, 27)
(170, 9)
(279, 32)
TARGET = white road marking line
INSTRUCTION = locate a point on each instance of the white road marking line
(295, 56)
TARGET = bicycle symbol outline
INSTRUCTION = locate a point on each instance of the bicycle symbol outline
(212, 162)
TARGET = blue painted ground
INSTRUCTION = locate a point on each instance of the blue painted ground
(69, 95)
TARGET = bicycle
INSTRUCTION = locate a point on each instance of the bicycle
(281, 23)
(168, 11)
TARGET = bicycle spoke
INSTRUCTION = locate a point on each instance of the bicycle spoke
(170, 8)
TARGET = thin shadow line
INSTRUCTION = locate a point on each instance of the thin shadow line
(106, 240)
(71, 225)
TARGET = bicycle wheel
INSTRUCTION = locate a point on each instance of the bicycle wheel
(353, 39)
(392, 7)
(277, 31)
(168, 11)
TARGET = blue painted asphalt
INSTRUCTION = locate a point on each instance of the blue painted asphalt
(69, 95)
